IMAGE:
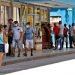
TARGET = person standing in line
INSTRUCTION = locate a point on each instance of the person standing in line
(17, 38)
(73, 34)
(61, 34)
(65, 33)
(6, 33)
(29, 38)
(70, 37)
(56, 33)
(6, 39)
(2, 41)
(50, 36)
(10, 36)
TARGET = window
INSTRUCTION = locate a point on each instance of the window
(4, 15)
(37, 15)
(30, 10)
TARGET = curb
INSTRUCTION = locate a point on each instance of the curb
(37, 57)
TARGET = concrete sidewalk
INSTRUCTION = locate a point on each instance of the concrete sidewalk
(39, 54)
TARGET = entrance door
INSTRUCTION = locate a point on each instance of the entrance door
(55, 19)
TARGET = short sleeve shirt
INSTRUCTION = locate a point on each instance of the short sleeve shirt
(72, 31)
(61, 29)
(29, 33)
(16, 32)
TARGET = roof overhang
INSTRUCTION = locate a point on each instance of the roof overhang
(49, 3)
(52, 4)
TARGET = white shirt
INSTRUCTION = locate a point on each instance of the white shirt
(72, 30)
(61, 29)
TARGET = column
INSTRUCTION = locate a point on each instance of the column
(49, 15)
(73, 15)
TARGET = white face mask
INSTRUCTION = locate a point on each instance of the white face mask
(27, 26)
(15, 24)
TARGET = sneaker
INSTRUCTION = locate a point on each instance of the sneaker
(18, 55)
(71, 46)
(60, 48)
(25, 54)
(12, 55)
(31, 54)
(55, 48)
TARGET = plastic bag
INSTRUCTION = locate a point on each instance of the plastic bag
(6, 47)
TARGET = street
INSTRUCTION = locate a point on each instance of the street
(35, 63)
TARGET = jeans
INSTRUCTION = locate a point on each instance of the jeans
(61, 41)
(70, 40)
(65, 38)
(56, 41)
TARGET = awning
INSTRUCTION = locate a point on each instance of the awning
(52, 3)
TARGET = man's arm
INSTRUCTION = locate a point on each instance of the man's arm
(21, 34)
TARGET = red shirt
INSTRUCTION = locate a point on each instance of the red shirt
(56, 30)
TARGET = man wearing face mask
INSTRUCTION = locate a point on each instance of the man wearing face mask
(29, 34)
(17, 37)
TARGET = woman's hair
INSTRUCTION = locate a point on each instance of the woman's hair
(5, 26)
(1, 26)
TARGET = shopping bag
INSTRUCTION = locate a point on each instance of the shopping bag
(22, 45)
(6, 47)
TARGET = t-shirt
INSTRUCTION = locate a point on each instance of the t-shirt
(1, 38)
(73, 31)
(6, 36)
(61, 30)
(65, 31)
(16, 32)
(10, 30)
(56, 31)
(29, 33)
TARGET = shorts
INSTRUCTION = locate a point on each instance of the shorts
(29, 43)
(16, 42)
(2, 48)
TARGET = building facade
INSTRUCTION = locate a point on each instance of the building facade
(35, 12)
(24, 12)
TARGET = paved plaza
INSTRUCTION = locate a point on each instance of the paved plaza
(35, 63)
(39, 54)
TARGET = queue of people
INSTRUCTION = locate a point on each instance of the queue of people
(15, 36)
(62, 33)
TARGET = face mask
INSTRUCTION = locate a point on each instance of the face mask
(15, 24)
(27, 26)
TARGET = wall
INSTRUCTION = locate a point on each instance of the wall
(66, 15)
(73, 17)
